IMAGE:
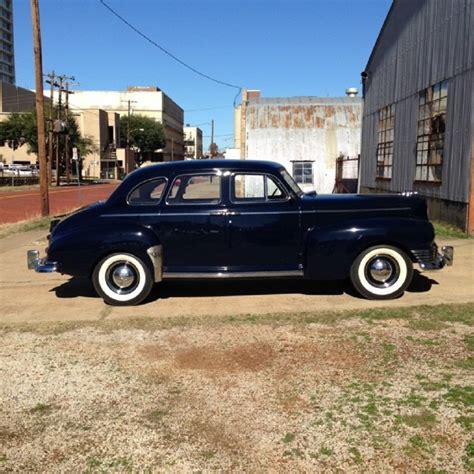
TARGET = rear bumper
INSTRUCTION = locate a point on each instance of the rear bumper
(432, 259)
(38, 264)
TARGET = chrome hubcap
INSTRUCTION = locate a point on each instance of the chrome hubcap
(380, 270)
(123, 276)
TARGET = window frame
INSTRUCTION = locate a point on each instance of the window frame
(311, 162)
(385, 116)
(143, 183)
(264, 200)
(190, 203)
(427, 143)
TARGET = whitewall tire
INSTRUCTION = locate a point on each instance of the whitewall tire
(381, 272)
(122, 279)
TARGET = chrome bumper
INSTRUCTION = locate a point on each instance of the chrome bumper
(38, 264)
(440, 260)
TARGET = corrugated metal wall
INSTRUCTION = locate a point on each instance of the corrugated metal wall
(304, 128)
(423, 42)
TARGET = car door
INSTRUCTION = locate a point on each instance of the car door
(192, 225)
(264, 225)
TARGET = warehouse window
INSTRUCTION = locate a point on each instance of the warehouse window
(430, 137)
(385, 142)
(303, 172)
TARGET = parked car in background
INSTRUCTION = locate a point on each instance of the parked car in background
(239, 219)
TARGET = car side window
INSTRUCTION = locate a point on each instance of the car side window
(147, 193)
(195, 189)
(274, 190)
(256, 187)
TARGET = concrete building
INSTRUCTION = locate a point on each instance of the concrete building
(103, 128)
(18, 100)
(148, 101)
(7, 53)
(192, 143)
(304, 134)
(418, 122)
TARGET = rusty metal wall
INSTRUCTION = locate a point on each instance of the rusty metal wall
(422, 43)
(304, 128)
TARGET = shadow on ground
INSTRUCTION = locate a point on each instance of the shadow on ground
(75, 287)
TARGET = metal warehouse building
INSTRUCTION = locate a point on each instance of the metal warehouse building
(418, 122)
(304, 134)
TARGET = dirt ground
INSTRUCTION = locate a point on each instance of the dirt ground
(234, 376)
(28, 296)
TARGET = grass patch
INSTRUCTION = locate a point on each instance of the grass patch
(469, 456)
(423, 419)
(463, 313)
(325, 451)
(467, 422)
(288, 438)
(156, 416)
(469, 341)
(466, 363)
(40, 223)
(460, 395)
(42, 409)
(446, 231)
(426, 325)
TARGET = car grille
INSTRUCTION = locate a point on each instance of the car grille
(426, 255)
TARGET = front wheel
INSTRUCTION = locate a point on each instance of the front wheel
(122, 279)
(381, 272)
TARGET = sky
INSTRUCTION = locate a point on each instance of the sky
(282, 47)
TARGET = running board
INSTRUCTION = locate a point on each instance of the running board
(225, 275)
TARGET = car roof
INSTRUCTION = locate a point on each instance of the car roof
(171, 168)
(195, 165)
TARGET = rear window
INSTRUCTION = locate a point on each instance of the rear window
(197, 189)
(147, 193)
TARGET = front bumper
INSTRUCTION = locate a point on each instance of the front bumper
(38, 264)
(432, 259)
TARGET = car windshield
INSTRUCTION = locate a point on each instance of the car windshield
(291, 182)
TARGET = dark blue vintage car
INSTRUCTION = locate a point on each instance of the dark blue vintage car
(239, 219)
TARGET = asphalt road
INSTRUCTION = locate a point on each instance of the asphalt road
(27, 296)
(17, 206)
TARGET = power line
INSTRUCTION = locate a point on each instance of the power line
(171, 55)
(210, 108)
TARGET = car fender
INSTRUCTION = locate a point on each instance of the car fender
(80, 249)
(331, 249)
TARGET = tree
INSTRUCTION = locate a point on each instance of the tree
(21, 129)
(146, 135)
(13, 131)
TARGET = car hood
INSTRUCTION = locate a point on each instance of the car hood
(411, 205)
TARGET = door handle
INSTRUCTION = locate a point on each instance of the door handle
(224, 213)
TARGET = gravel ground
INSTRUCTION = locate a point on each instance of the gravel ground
(294, 393)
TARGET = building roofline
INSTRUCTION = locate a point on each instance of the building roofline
(381, 32)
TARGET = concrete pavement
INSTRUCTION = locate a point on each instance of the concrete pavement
(27, 296)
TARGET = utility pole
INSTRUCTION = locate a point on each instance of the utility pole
(127, 145)
(67, 158)
(40, 108)
(53, 84)
(212, 131)
(58, 129)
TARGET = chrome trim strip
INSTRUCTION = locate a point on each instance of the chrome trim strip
(224, 275)
(359, 210)
(156, 255)
(212, 213)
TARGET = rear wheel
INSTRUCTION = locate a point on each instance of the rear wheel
(122, 279)
(382, 272)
